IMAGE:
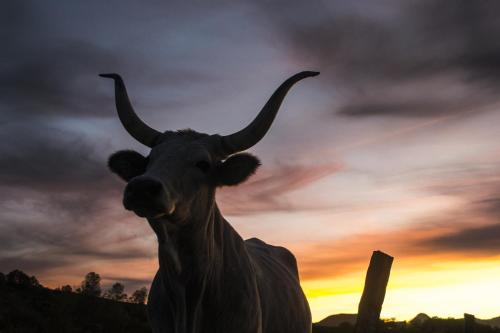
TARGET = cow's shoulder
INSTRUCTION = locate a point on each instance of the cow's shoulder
(261, 249)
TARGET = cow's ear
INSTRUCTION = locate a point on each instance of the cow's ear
(236, 169)
(127, 164)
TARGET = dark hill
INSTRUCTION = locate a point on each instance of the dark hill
(37, 309)
(337, 319)
(420, 319)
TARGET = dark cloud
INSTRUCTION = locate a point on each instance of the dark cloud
(131, 284)
(42, 74)
(395, 58)
(408, 108)
(41, 157)
(45, 72)
(491, 205)
(56, 80)
(477, 224)
(480, 239)
(33, 265)
(60, 79)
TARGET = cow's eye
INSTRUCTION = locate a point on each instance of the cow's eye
(203, 166)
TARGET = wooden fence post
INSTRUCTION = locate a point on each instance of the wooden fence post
(372, 299)
(469, 323)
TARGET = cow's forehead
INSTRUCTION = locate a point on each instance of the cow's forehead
(182, 147)
(185, 142)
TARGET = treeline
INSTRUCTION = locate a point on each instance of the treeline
(28, 307)
(90, 286)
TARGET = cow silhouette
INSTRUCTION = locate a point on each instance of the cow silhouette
(209, 278)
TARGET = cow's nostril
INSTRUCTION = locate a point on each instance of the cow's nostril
(142, 189)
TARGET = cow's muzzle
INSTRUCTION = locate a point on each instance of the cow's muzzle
(147, 197)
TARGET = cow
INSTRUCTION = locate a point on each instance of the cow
(209, 279)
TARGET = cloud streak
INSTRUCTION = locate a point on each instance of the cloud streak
(268, 191)
(409, 59)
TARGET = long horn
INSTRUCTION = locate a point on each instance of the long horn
(256, 130)
(132, 123)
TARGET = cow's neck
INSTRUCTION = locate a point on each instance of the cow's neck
(199, 243)
(195, 260)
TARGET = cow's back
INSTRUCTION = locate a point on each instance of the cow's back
(284, 306)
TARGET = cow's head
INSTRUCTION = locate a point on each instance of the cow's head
(179, 176)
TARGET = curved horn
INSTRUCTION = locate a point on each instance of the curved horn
(256, 130)
(132, 123)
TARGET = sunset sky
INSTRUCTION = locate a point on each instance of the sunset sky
(394, 147)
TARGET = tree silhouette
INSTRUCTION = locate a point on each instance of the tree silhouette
(34, 282)
(67, 288)
(116, 292)
(139, 296)
(20, 278)
(91, 285)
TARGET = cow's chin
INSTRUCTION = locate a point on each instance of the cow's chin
(167, 214)
(154, 213)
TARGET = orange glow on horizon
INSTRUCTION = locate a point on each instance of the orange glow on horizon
(435, 285)
(438, 288)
